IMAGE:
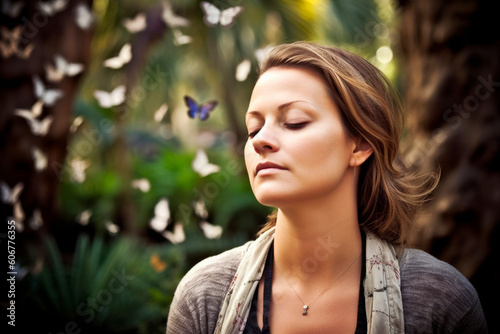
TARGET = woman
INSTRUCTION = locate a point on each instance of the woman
(324, 127)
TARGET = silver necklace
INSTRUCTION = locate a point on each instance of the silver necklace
(305, 308)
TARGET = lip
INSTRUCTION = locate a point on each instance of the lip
(262, 166)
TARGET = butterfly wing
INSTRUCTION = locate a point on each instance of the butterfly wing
(26, 52)
(170, 18)
(103, 98)
(18, 216)
(192, 105)
(53, 74)
(118, 95)
(83, 16)
(136, 24)
(36, 109)
(53, 7)
(10, 196)
(199, 161)
(124, 56)
(78, 168)
(243, 69)
(51, 96)
(211, 231)
(24, 113)
(180, 38)
(228, 16)
(40, 158)
(6, 193)
(108, 100)
(160, 113)
(162, 211)
(212, 13)
(70, 69)
(6, 49)
(177, 236)
(206, 108)
(73, 69)
(202, 166)
(38, 86)
(12, 9)
(40, 128)
(59, 5)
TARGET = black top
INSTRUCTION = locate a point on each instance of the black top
(252, 326)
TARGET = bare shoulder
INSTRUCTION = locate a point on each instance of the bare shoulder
(437, 297)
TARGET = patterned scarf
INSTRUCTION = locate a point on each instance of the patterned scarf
(384, 305)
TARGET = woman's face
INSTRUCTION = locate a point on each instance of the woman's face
(298, 149)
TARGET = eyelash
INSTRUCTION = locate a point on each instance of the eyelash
(252, 134)
(295, 126)
(291, 126)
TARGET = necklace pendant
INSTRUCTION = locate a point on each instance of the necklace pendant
(305, 308)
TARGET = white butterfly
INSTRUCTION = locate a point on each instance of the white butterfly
(261, 53)
(63, 67)
(124, 56)
(78, 167)
(49, 96)
(40, 158)
(160, 113)
(53, 7)
(170, 19)
(75, 124)
(136, 24)
(111, 99)
(10, 196)
(201, 165)
(84, 17)
(38, 127)
(211, 231)
(84, 217)
(35, 111)
(141, 184)
(180, 38)
(177, 236)
(12, 9)
(36, 220)
(9, 45)
(243, 69)
(162, 215)
(18, 216)
(214, 15)
(112, 227)
(200, 209)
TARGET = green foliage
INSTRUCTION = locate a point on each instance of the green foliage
(108, 287)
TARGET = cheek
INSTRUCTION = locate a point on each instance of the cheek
(248, 154)
(323, 151)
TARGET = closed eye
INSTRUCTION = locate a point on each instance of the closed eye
(253, 134)
(296, 126)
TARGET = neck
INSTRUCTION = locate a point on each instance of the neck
(315, 242)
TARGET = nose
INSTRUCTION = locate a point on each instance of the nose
(265, 141)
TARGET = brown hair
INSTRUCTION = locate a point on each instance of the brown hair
(389, 194)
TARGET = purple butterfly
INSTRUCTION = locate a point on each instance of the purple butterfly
(203, 110)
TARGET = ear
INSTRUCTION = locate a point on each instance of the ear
(361, 152)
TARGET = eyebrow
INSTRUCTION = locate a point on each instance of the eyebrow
(281, 108)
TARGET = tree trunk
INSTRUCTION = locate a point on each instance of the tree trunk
(50, 33)
(451, 52)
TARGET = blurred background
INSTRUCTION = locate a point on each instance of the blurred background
(115, 191)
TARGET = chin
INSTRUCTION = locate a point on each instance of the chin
(274, 199)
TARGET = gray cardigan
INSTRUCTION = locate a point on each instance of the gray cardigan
(437, 298)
